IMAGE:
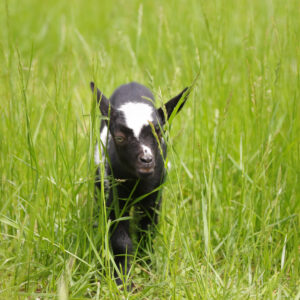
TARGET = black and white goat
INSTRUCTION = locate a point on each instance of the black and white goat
(134, 151)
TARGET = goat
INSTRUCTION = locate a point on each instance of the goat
(133, 150)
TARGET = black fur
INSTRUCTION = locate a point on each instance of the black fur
(140, 174)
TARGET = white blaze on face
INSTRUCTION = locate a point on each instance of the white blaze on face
(137, 115)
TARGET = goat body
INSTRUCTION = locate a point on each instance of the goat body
(133, 151)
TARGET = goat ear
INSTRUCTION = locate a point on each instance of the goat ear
(174, 105)
(101, 99)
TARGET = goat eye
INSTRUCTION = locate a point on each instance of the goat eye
(119, 139)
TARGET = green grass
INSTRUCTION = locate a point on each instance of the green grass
(229, 225)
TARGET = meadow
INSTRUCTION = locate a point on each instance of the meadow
(229, 224)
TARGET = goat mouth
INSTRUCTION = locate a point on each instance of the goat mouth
(146, 171)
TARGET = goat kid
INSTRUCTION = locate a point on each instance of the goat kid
(134, 151)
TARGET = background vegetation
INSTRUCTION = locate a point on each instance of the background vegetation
(229, 226)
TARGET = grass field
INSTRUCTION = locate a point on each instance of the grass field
(229, 225)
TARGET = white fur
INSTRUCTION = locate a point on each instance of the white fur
(97, 155)
(103, 138)
(137, 115)
(147, 150)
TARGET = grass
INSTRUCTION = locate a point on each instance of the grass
(229, 225)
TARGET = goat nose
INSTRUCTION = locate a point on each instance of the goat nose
(146, 159)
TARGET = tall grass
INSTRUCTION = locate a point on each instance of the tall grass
(229, 224)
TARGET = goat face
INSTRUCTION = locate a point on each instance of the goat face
(136, 131)
(135, 128)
